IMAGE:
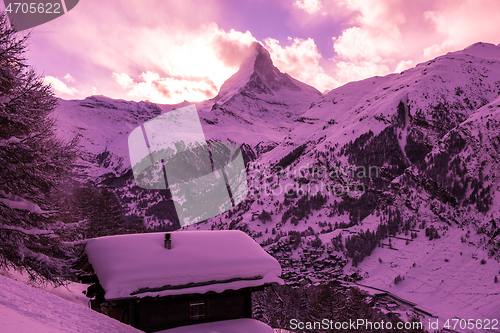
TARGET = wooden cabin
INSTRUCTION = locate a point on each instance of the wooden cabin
(158, 281)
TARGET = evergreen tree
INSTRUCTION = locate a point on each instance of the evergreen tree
(32, 165)
(265, 216)
(98, 212)
(107, 217)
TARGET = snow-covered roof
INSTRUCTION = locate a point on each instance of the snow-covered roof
(139, 265)
(227, 326)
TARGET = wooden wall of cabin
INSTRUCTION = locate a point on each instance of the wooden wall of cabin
(153, 314)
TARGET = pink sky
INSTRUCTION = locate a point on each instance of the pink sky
(167, 51)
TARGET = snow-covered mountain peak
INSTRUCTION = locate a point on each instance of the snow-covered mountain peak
(258, 77)
(482, 50)
(240, 78)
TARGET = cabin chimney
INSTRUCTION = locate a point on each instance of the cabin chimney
(168, 241)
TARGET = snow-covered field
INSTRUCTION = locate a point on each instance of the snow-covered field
(24, 309)
(444, 277)
(228, 326)
(72, 291)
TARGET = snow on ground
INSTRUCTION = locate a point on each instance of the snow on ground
(127, 263)
(25, 309)
(73, 291)
(445, 276)
(228, 326)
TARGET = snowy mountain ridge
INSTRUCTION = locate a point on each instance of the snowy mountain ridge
(259, 78)
(258, 104)
(430, 133)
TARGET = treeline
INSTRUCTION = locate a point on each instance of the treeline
(360, 246)
(357, 208)
(295, 237)
(98, 212)
(289, 158)
(303, 207)
(449, 170)
(377, 150)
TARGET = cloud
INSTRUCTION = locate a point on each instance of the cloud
(403, 65)
(151, 86)
(59, 86)
(168, 51)
(69, 78)
(123, 80)
(378, 37)
(463, 24)
(233, 47)
(375, 44)
(301, 60)
(182, 45)
(310, 6)
(192, 70)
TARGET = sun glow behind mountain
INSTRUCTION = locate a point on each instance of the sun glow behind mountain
(170, 51)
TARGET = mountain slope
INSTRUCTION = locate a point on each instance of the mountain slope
(385, 167)
(458, 181)
(427, 172)
(256, 108)
(421, 104)
(258, 78)
(102, 126)
(27, 309)
(454, 195)
(257, 104)
(390, 123)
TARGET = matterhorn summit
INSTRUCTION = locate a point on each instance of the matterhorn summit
(257, 104)
(258, 78)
